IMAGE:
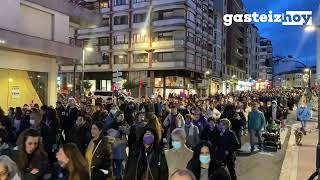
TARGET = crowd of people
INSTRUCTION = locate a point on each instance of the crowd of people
(155, 139)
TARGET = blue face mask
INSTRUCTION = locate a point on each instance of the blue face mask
(176, 145)
(204, 159)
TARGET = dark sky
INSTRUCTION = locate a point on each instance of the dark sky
(287, 40)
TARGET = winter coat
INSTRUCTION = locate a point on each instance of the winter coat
(211, 135)
(101, 159)
(179, 123)
(303, 113)
(193, 135)
(81, 137)
(38, 160)
(213, 113)
(136, 132)
(137, 164)
(178, 159)
(201, 123)
(227, 144)
(256, 120)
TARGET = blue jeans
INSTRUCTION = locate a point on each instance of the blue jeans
(253, 132)
(117, 168)
(303, 124)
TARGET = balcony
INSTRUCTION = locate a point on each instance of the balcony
(120, 67)
(90, 32)
(120, 47)
(161, 2)
(138, 25)
(104, 10)
(87, 68)
(172, 21)
(171, 43)
(139, 46)
(140, 65)
(191, 24)
(120, 7)
(141, 4)
(120, 27)
(104, 47)
(177, 64)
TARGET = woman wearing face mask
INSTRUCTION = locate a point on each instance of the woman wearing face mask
(31, 159)
(70, 159)
(98, 154)
(192, 132)
(110, 120)
(204, 165)
(136, 131)
(119, 144)
(179, 155)
(227, 144)
(148, 162)
(211, 132)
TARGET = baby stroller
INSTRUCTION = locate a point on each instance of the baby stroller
(272, 135)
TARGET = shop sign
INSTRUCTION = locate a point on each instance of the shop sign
(15, 92)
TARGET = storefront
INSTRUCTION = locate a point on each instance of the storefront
(243, 86)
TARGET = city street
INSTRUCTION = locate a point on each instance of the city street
(265, 165)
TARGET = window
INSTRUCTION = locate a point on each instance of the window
(191, 16)
(104, 4)
(140, 58)
(205, 8)
(165, 14)
(138, 18)
(165, 36)
(105, 22)
(120, 59)
(162, 57)
(198, 41)
(190, 58)
(138, 38)
(120, 39)
(120, 2)
(120, 20)
(190, 37)
(104, 41)
(198, 23)
(106, 58)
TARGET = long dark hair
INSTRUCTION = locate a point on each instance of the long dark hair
(22, 158)
(194, 164)
(18, 114)
(76, 163)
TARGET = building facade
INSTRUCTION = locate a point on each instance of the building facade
(234, 71)
(265, 60)
(34, 39)
(253, 46)
(166, 44)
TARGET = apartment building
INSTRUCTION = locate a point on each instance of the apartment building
(166, 44)
(253, 46)
(265, 59)
(234, 72)
(33, 39)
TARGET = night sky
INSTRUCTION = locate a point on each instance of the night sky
(287, 40)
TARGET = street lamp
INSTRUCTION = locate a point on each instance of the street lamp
(88, 49)
(314, 28)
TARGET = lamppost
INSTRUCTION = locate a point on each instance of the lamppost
(312, 29)
(88, 49)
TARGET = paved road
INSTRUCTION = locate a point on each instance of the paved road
(264, 165)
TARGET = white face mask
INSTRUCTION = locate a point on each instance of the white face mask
(113, 111)
(32, 121)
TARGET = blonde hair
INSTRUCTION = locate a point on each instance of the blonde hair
(189, 116)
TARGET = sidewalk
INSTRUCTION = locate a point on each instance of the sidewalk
(299, 162)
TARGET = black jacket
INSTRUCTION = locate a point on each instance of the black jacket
(38, 160)
(81, 137)
(137, 164)
(227, 142)
(71, 119)
(129, 114)
(101, 160)
(210, 135)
